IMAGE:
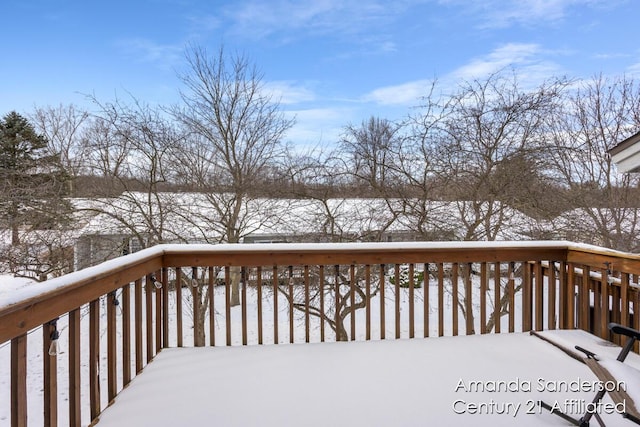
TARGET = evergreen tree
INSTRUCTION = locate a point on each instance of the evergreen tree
(31, 178)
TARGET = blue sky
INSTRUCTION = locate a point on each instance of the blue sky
(331, 62)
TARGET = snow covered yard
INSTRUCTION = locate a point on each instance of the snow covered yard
(435, 381)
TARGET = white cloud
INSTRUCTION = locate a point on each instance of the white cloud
(403, 94)
(505, 13)
(288, 92)
(318, 125)
(528, 59)
(150, 51)
(255, 18)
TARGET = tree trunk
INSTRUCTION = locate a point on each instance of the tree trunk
(234, 277)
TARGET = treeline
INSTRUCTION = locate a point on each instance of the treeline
(497, 143)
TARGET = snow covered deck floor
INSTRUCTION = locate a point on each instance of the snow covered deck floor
(435, 381)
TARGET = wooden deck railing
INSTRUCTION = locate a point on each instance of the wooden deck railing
(109, 321)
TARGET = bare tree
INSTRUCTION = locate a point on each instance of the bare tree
(130, 147)
(598, 114)
(236, 133)
(479, 138)
(63, 127)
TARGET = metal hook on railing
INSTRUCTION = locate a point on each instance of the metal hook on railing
(155, 281)
(609, 272)
(53, 336)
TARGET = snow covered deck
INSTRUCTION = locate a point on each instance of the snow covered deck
(434, 381)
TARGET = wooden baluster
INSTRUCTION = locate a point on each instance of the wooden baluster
(551, 297)
(227, 303)
(586, 323)
(383, 323)
(259, 302)
(126, 334)
(352, 291)
(149, 286)
(212, 308)
(74, 368)
(484, 281)
(112, 362)
(337, 300)
(307, 332)
(425, 300)
(19, 381)
(291, 297)
(527, 296)
(539, 292)
(511, 289)
(440, 299)
(367, 290)
(165, 307)
(138, 324)
(321, 278)
(158, 321)
(411, 301)
(243, 308)
(468, 300)
(455, 297)
(274, 276)
(396, 284)
(571, 298)
(94, 358)
(49, 373)
(497, 287)
(178, 290)
(604, 304)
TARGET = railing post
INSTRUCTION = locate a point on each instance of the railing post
(383, 323)
(468, 301)
(352, 299)
(551, 296)
(178, 290)
(527, 286)
(322, 326)
(483, 297)
(112, 365)
(440, 299)
(539, 292)
(49, 373)
(243, 290)
(425, 295)
(396, 285)
(126, 334)
(149, 287)
(165, 307)
(454, 292)
(367, 314)
(411, 302)
(138, 324)
(307, 319)
(511, 290)
(94, 358)
(259, 302)
(19, 381)
(212, 310)
(497, 286)
(74, 368)
(274, 279)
